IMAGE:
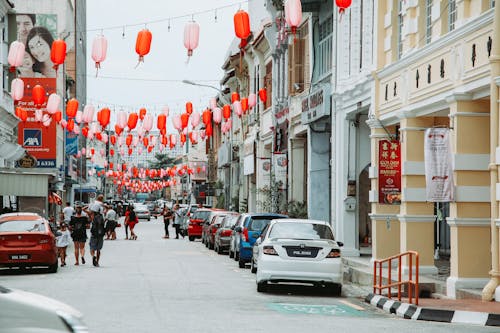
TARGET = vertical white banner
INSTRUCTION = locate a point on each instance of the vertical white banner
(280, 162)
(438, 165)
(264, 172)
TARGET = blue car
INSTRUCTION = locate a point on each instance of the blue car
(246, 231)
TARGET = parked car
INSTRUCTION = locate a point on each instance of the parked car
(195, 226)
(301, 251)
(212, 229)
(223, 235)
(29, 312)
(26, 240)
(207, 224)
(142, 212)
(188, 213)
(246, 231)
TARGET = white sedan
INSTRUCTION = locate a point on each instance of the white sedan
(300, 251)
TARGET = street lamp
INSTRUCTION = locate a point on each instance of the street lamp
(221, 93)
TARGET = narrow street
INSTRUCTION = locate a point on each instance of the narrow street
(157, 285)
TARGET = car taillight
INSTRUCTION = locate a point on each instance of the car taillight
(268, 249)
(226, 233)
(244, 234)
(335, 253)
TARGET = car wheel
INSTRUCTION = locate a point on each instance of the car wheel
(231, 254)
(262, 286)
(210, 245)
(219, 250)
(191, 238)
(253, 268)
(335, 289)
(241, 263)
(149, 219)
(53, 267)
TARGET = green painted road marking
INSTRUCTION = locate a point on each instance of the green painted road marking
(326, 310)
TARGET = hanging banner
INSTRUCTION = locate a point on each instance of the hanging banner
(438, 165)
(264, 171)
(249, 156)
(280, 163)
(389, 172)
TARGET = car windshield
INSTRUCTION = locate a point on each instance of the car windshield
(141, 208)
(229, 221)
(218, 219)
(257, 223)
(22, 226)
(203, 215)
(298, 230)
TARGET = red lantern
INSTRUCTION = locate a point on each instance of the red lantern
(263, 95)
(112, 153)
(150, 149)
(209, 130)
(142, 113)
(184, 120)
(132, 120)
(226, 111)
(105, 115)
(111, 164)
(72, 108)
(128, 140)
(161, 122)
(235, 97)
(58, 52)
(183, 138)
(39, 96)
(145, 142)
(143, 43)
(58, 116)
(130, 152)
(343, 5)
(164, 140)
(112, 138)
(189, 108)
(242, 24)
(118, 130)
(24, 115)
(85, 131)
(207, 116)
(244, 104)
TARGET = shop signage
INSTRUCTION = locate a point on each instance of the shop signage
(438, 165)
(27, 161)
(316, 105)
(389, 172)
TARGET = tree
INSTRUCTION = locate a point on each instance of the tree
(162, 161)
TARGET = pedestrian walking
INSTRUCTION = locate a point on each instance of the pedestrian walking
(62, 242)
(78, 226)
(68, 211)
(130, 221)
(167, 216)
(111, 222)
(97, 232)
(177, 221)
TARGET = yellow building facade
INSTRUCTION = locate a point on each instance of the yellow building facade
(434, 69)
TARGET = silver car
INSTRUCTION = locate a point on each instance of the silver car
(142, 212)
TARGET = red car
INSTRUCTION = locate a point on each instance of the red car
(196, 223)
(27, 240)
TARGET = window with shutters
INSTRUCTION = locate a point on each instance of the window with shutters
(268, 84)
(325, 47)
(452, 14)
(298, 62)
(428, 21)
(492, 3)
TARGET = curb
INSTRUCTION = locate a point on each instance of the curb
(410, 311)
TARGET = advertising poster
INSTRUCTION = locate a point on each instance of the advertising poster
(280, 170)
(389, 172)
(37, 32)
(438, 165)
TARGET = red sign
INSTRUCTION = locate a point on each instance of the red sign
(389, 172)
(38, 140)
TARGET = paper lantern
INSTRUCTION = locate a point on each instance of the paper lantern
(121, 119)
(38, 95)
(143, 43)
(58, 116)
(195, 119)
(145, 142)
(53, 103)
(23, 115)
(88, 113)
(118, 129)
(99, 50)
(38, 115)
(165, 110)
(128, 141)
(132, 120)
(71, 108)
(235, 97)
(184, 120)
(293, 14)
(58, 52)
(173, 139)
(70, 125)
(189, 108)
(244, 104)
(16, 55)
(105, 116)
(112, 139)
(237, 108)
(177, 122)
(17, 89)
(343, 5)
(147, 123)
(142, 113)
(252, 100)
(217, 115)
(263, 95)
(207, 117)
(213, 103)
(191, 36)
(161, 121)
(226, 111)
(241, 24)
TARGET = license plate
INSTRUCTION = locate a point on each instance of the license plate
(302, 253)
(19, 257)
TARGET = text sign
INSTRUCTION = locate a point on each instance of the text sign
(389, 172)
(316, 105)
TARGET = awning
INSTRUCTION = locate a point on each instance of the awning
(11, 151)
(24, 185)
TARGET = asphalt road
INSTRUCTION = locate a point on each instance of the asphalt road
(167, 285)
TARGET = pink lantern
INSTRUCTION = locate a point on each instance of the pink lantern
(252, 100)
(194, 137)
(121, 119)
(16, 55)
(38, 115)
(195, 119)
(191, 36)
(237, 108)
(17, 89)
(217, 115)
(83, 151)
(99, 49)
(104, 137)
(147, 123)
(135, 141)
(88, 113)
(173, 139)
(76, 129)
(79, 116)
(177, 122)
(165, 110)
(213, 103)
(53, 103)
(293, 14)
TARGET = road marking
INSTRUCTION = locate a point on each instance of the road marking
(354, 306)
(325, 310)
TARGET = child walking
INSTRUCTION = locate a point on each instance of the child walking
(62, 242)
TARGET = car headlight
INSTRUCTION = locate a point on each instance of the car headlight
(73, 323)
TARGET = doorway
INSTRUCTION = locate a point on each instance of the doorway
(365, 208)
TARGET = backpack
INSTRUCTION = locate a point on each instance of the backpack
(98, 229)
(79, 224)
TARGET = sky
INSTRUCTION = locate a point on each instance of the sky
(158, 81)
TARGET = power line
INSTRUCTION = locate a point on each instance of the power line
(142, 79)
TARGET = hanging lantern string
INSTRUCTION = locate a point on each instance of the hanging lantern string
(167, 19)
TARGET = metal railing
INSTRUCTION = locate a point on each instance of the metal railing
(412, 284)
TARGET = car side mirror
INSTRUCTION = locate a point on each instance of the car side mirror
(340, 244)
(238, 229)
(258, 241)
